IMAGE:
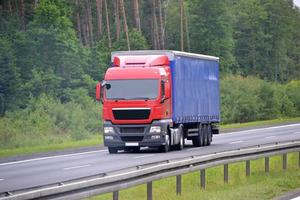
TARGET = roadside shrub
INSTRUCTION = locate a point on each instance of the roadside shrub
(47, 121)
(245, 99)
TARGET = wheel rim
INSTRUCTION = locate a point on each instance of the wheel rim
(181, 142)
(167, 142)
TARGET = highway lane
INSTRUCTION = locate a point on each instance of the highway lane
(55, 169)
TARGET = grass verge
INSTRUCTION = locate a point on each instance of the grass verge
(95, 140)
(259, 185)
(259, 123)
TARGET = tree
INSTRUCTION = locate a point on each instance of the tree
(181, 26)
(117, 18)
(136, 14)
(99, 5)
(9, 77)
(107, 24)
(211, 32)
(125, 23)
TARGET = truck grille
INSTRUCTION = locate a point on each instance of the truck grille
(132, 130)
(132, 138)
(131, 114)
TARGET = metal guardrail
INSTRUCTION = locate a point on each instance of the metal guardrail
(115, 181)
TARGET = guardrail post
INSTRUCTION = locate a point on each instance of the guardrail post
(116, 195)
(284, 161)
(267, 164)
(247, 167)
(178, 184)
(226, 173)
(202, 179)
(149, 191)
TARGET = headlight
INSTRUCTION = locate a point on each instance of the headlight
(108, 130)
(155, 129)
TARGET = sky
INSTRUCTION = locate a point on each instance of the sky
(297, 2)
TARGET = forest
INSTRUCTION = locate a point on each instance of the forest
(53, 52)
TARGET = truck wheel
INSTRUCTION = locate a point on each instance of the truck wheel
(198, 140)
(166, 147)
(112, 150)
(205, 135)
(209, 135)
(181, 140)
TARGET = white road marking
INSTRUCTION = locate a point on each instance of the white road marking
(76, 167)
(296, 132)
(1, 179)
(269, 137)
(297, 198)
(143, 156)
(236, 142)
(260, 129)
(50, 157)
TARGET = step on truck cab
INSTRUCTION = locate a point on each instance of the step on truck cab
(159, 98)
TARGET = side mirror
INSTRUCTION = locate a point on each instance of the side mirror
(167, 90)
(98, 91)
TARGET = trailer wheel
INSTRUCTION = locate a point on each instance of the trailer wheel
(112, 150)
(209, 135)
(165, 148)
(205, 135)
(181, 140)
(198, 141)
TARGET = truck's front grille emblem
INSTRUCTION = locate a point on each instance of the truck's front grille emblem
(131, 114)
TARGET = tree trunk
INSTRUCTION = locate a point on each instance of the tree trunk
(185, 16)
(36, 3)
(107, 24)
(22, 14)
(99, 5)
(155, 27)
(90, 22)
(86, 30)
(117, 18)
(78, 21)
(181, 26)
(125, 23)
(161, 25)
(9, 7)
(136, 15)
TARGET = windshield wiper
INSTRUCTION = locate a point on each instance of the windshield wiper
(117, 98)
(142, 98)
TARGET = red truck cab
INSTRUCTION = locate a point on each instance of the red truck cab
(136, 96)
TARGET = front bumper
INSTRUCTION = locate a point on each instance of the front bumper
(135, 135)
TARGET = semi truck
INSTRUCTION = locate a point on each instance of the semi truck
(159, 98)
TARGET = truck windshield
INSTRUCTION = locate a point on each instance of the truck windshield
(132, 89)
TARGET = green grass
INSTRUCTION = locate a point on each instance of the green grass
(259, 185)
(259, 123)
(95, 140)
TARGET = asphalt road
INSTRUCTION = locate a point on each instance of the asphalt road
(41, 171)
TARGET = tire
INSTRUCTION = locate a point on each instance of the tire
(209, 135)
(112, 150)
(181, 141)
(198, 140)
(205, 135)
(165, 148)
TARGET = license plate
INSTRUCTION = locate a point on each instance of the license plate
(131, 144)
